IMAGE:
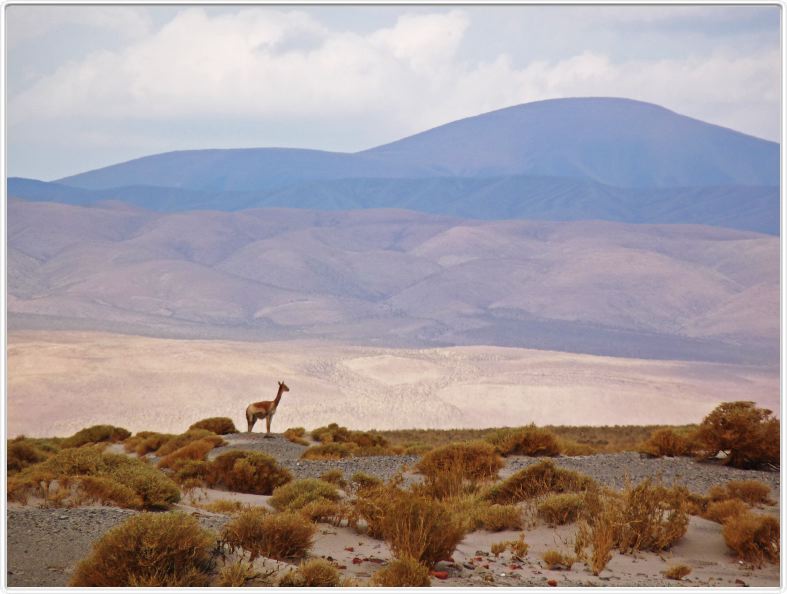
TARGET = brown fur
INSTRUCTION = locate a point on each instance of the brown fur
(264, 410)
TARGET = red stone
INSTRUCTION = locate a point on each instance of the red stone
(351, 549)
(552, 583)
(356, 561)
(440, 575)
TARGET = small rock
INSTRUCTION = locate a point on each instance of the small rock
(440, 575)
(552, 583)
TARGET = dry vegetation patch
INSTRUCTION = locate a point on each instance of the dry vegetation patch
(169, 550)
(497, 517)
(561, 508)
(668, 442)
(296, 494)
(720, 511)
(218, 425)
(281, 536)
(556, 560)
(192, 451)
(753, 537)
(747, 434)
(457, 468)
(677, 572)
(96, 434)
(296, 435)
(527, 441)
(403, 572)
(314, 573)
(246, 472)
(749, 491)
(61, 480)
(538, 479)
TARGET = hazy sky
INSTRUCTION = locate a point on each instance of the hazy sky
(93, 85)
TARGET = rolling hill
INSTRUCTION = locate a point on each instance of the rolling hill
(397, 278)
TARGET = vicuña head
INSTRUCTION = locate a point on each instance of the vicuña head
(265, 410)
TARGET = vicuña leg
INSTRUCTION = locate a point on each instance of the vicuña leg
(268, 426)
(251, 419)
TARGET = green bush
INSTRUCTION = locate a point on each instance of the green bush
(247, 472)
(169, 550)
(218, 425)
(96, 434)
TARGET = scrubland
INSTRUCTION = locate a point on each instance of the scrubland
(212, 506)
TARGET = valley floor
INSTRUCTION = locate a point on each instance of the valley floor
(62, 381)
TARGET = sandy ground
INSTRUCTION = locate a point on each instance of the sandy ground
(59, 382)
(64, 536)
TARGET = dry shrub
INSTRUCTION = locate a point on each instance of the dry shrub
(107, 491)
(753, 537)
(224, 506)
(569, 447)
(421, 528)
(314, 573)
(296, 435)
(696, 504)
(719, 511)
(653, 517)
(324, 510)
(195, 450)
(333, 433)
(677, 572)
(498, 517)
(403, 572)
(667, 442)
(296, 494)
(518, 547)
(218, 425)
(561, 508)
(595, 538)
(192, 472)
(21, 453)
(557, 560)
(457, 468)
(178, 441)
(279, 536)
(747, 434)
(527, 441)
(145, 442)
(749, 491)
(236, 575)
(246, 472)
(417, 449)
(96, 434)
(330, 451)
(72, 465)
(538, 479)
(169, 550)
(335, 477)
(361, 480)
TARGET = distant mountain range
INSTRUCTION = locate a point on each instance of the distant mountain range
(566, 159)
(397, 278)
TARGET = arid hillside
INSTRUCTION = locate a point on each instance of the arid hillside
(60, 382)
(397, 279)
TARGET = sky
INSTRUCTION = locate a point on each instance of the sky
(92, 85)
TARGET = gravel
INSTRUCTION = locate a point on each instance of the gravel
(613, 470)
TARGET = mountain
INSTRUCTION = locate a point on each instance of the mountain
(397, 278)
(562, 160)
(618, 142)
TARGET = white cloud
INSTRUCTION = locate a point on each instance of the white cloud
(27, 22)
(267, 64)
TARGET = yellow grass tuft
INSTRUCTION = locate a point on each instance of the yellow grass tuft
(296, 494)
(557, 560)
(314, 573)
(720, 511)
(527, 441)
(296, 435)
(538, 479)
(456, 468)
(497, 517)
(561, 508)
(402, 572)
(96, 434)
(677, 572)
(749, 491)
